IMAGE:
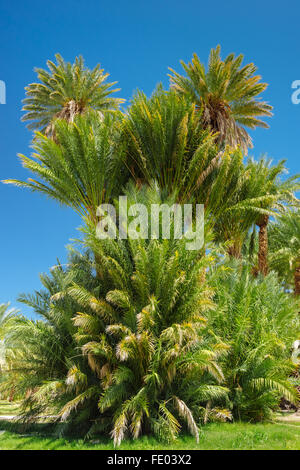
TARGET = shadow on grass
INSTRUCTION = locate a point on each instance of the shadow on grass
(19, 427)
(49, 436)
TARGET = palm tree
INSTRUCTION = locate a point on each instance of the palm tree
(144, 336)
(285, 248)
(65, 91)
(82, 168)
(41, 352)
(226, 95)
(259, 192)
(127, 352)
(278, 194)
(265, 182)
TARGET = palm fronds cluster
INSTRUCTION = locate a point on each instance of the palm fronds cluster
(65, 91)
(142, 336)
(226, 95)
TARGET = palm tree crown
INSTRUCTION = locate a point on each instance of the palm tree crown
(226, 93)
(68, 89)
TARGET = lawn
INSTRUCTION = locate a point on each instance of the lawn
(214, 437)
(218, 436)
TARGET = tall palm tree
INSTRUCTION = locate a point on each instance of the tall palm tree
(226, 94)
(285, 248)
(265, 181)
(251, 194)
(65, 91)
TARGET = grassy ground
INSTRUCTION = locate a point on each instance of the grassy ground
(214, 436)
(280, 435)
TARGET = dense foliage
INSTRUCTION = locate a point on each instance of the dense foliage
(142, 336)
(259, 322)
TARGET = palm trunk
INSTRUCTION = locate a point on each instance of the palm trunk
(11, 394)
(234, 250)
(297, 280)
(263, 245)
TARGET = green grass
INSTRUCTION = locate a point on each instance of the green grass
(214, 436)
(283, 435)
(7, 408)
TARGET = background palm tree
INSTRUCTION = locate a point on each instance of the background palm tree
(250, 194)
(226, 95)
(65, 91)
(285, 248)
(277, 194)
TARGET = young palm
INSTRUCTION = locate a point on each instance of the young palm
(144, 340)
(285, 248)
(143, 334)
(226, 95)
(41, 352)
(65, 91)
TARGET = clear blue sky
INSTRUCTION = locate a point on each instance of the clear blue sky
(135, 41)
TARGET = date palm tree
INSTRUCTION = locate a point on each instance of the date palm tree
(259, 193)
(226, 95)
(65, 91)
(285, 248)
(278, 194)
(144, 337)
(127, 353)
